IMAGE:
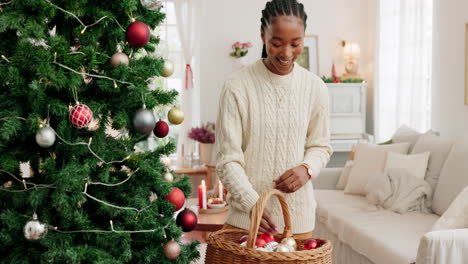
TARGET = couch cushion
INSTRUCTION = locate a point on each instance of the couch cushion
(369, 160)
(381, 235)
(439, 148)
(406, 134)
(453, 177)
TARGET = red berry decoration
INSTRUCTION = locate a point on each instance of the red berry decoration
(138, 34)
(187, 219)
(161, 129)
(176, 197)
(81, 116)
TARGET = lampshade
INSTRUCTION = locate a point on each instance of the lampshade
(352, 50)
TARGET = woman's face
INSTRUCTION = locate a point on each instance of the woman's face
(284, 40)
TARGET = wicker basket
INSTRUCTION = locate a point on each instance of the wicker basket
(223, 246)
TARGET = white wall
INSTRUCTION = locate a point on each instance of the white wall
(226, 21)
(449, 114)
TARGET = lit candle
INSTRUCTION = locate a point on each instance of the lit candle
(202, 195)
(221, 191)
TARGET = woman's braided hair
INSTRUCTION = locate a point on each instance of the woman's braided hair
(276, 8)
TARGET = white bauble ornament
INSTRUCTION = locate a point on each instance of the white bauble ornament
(168, 68)
(271, 245)
(152, 5)
(290, 242)
(45, 137)
(34, 230)
(284, 248)
(168, 177)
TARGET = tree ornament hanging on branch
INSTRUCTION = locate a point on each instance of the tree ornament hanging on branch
(175, 115)
(144, 121)
(187, 219)
(168, 68)
(161, 129)
(138, 34)
(80, 116)
(45, 136)
(172, 250)
(152, 5)
(176, 197)
(34, 230)
(119, 58)
(168, 177)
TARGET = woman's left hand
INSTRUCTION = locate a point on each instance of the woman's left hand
(292, 180)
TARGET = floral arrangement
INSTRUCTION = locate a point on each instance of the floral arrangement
(240, 49)
(203, 134)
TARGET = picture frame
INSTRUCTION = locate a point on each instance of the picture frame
(466, 64)
(309, 59)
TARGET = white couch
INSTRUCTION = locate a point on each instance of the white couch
(362, 233)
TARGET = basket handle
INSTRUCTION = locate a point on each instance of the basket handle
(257, 213)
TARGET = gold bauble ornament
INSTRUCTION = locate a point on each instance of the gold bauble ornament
(175, 115)
(168, 68)
(289, 241)
(168, 177)
(172, 250)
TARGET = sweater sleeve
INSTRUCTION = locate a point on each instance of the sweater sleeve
(318, 149)
(230, 157)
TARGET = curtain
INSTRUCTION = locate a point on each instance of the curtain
(404, 66)
(187, 15)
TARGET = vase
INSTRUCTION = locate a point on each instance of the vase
(205, 150)
(239, 63)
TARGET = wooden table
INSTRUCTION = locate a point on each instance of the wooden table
(206, 171)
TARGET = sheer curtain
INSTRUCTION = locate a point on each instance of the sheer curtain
(188, 15)
(404, 66)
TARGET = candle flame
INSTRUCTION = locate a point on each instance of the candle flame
(203, 183)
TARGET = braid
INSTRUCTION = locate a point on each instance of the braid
(276, 8)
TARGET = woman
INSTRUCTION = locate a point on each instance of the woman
(273, 127)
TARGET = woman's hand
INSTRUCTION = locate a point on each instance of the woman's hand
(267, 225)
(292, 180)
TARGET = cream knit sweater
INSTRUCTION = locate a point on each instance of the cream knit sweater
(267, 124)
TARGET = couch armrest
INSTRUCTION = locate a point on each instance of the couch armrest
(327, 179)
(445, 246)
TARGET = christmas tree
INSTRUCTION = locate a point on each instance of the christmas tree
(74, 101)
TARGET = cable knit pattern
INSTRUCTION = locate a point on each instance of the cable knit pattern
(267, 124)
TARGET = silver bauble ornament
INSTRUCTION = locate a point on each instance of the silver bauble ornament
(152, 5)
(175, 115)
(168, 177)
(271, 245)
(144, 121)
(168, 68)
(290, 242)
(119, 58)
(34, 230)
(172, 250)
(45, 137)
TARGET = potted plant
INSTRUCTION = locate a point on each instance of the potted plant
(205, 136)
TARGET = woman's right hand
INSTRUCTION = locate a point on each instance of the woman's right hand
(267, 225)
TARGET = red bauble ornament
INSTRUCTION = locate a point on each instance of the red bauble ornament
(310, 244)
(176, 197)
(161, 129)
(138, 34)
(80, 116)
(267, 237)
(260, 242)
(187, 219)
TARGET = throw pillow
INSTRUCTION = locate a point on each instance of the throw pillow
(369, 160)
(452, 178)
(344, 175)
(456, 216)
(407, 134)
(439, 149)
(415, 164)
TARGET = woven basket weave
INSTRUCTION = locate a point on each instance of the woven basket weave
(223, 246)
